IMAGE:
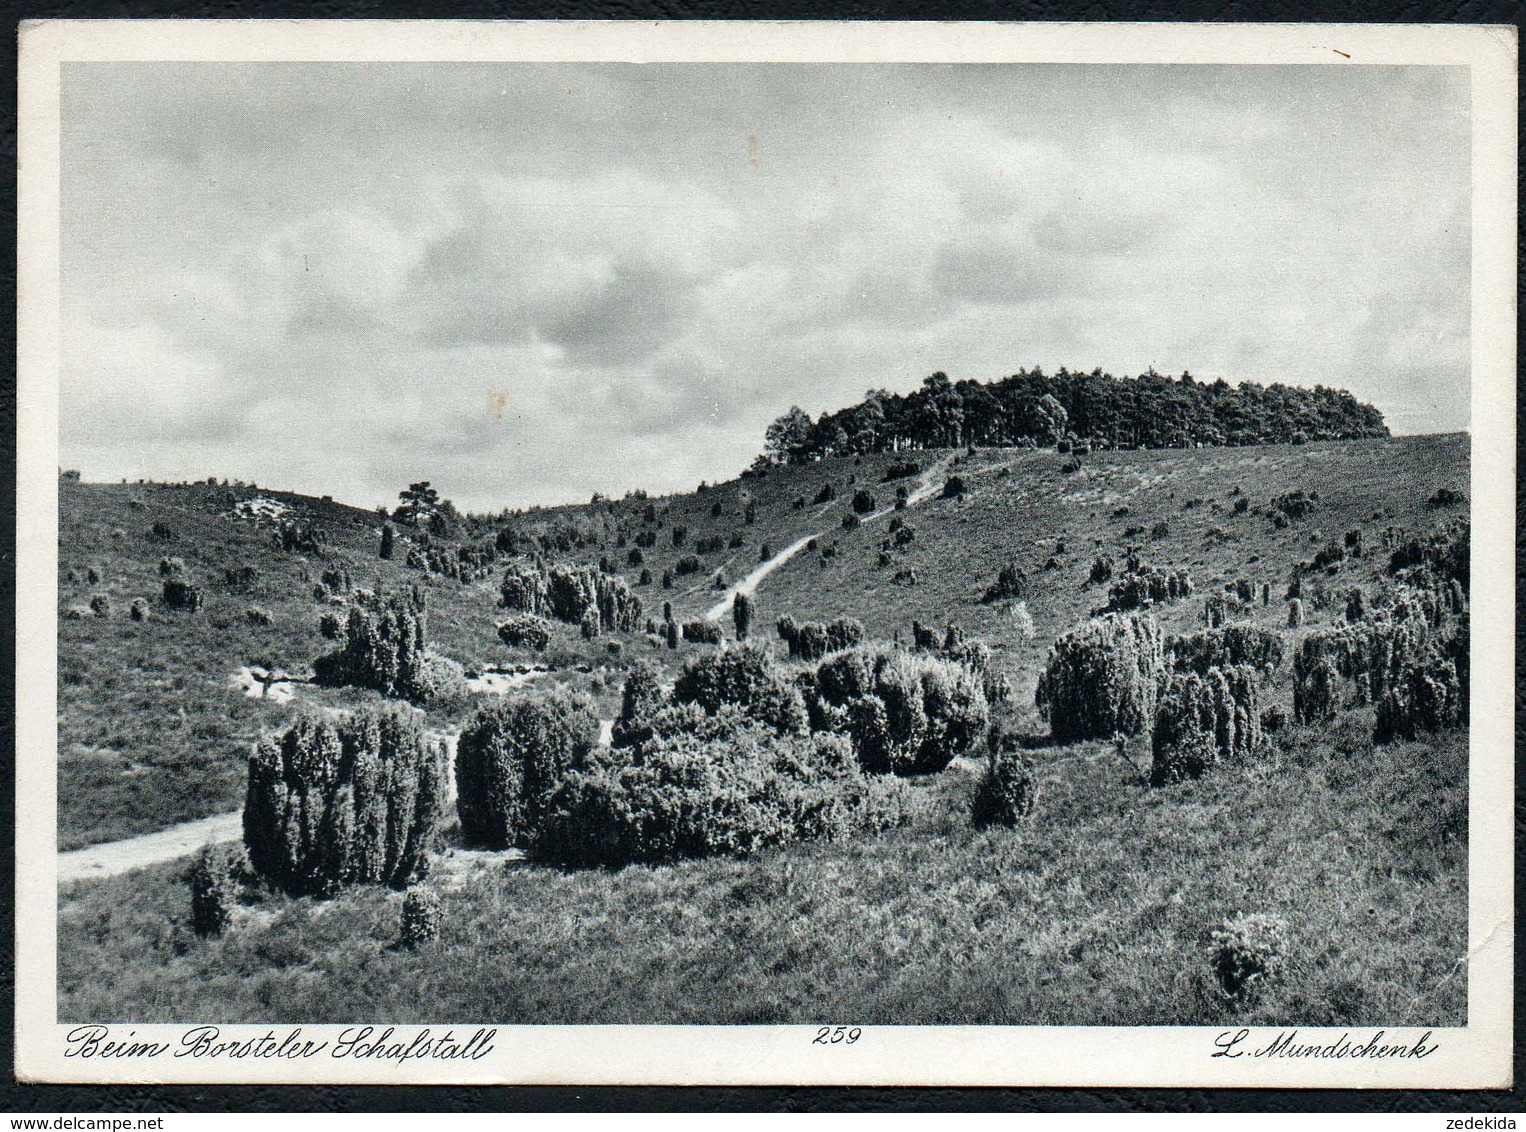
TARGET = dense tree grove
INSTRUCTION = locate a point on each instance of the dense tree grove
(1443, 554)
(1406, 652)
(724, 764)
(463, 563)
(1409, 659)
(702, 632)
(1030, 407)
(812, 640)
(1231, 645)
(745, 679)
(698, 785)
(526, 631)
(1144, 586)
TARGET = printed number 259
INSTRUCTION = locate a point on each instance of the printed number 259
(834, 1035)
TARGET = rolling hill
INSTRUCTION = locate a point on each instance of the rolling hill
(152, 729)
(1098, 909)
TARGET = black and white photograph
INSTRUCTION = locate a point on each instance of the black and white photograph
(773, 557)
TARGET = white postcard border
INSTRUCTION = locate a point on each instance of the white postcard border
(1477, 1055)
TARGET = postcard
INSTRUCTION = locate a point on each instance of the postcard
(766, 553)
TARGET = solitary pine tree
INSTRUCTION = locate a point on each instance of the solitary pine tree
(419, 502)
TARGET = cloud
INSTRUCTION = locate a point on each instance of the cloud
(1117, 231)
(332, 269)
(624, 315)
(453, 433)
(605, 269)
(527, 283)
(683, 392)
(594, 310)
(1002, 274)
(133, 380)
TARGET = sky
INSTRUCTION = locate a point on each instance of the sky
(530, 282)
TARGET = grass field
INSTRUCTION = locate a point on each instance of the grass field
(151, 733)
(1097, 910)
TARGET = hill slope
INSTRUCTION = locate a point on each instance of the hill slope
(153, 731)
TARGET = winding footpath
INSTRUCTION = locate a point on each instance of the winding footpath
(927, 485)
(113, 858)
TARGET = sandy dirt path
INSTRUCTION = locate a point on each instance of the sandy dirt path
(116, 857)
(927, 485)
(113, 858)
(751, 581)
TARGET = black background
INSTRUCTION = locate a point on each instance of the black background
(191, 1099)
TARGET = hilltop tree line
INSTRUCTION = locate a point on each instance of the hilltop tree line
(1032, 408)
